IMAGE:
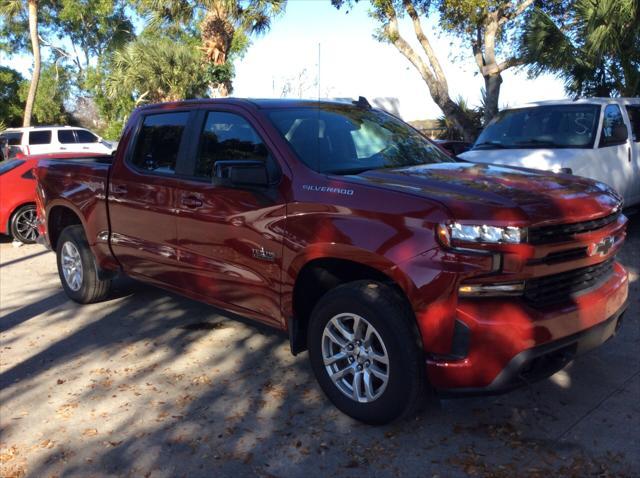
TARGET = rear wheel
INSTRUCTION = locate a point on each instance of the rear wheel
(365, 352)
(77, 268)
(24, 225)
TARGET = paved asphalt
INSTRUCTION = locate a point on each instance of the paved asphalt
(148, 384)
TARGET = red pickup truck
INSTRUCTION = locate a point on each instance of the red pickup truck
(400, 269)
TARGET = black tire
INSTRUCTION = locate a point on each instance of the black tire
(91, 288)
(394, 323)
(23, 226)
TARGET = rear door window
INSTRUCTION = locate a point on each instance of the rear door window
(634, 118)
(66, 136)
(40, 137)
(159, 141)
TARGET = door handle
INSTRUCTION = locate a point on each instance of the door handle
(629, 152)
(191, 202)
(118, 190)
(64, 149)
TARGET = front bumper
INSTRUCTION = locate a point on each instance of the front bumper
(511, 344)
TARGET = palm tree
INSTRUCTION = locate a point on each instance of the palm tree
(595, 47)
(154, 70)
(448, 129)
(12, 10)
(221, 23)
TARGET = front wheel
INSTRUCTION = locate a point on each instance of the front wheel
(77, 268)
(365, 352)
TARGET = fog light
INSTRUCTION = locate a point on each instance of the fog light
(491, 290)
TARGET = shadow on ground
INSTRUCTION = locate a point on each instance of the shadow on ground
(150, 384)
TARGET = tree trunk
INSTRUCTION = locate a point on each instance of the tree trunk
(492, 85)
(457, 116)
(35, 77)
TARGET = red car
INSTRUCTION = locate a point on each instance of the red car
(399, 268)
(17, 196)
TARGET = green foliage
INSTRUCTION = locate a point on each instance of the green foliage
(52, 93)
(449, 130)
(594, 47)
(154, 70)
(11, 107)
(93, 27)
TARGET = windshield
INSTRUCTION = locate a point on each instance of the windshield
(557, 126)
(342, 139)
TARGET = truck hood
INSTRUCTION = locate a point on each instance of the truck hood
(539, 158)
(498, 194)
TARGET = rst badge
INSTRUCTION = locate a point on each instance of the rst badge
(602, 247)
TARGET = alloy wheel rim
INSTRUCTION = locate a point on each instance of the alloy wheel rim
(71, 266)
(355, 357)
(26, 226)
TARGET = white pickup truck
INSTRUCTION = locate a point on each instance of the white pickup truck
(598, 138)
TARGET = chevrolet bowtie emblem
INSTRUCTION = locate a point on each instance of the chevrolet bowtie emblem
(601, 248)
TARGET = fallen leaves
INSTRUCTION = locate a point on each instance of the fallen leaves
(67, 410)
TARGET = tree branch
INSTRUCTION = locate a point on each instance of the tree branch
(515, 11)
(393, 34)
(510, 63)
(476, 46)
(424, 41)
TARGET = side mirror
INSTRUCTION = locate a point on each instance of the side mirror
(246, 173)
(619, 135)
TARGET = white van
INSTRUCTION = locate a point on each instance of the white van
(598, 138)
(55, 139)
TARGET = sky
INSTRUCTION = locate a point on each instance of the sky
(352, 63)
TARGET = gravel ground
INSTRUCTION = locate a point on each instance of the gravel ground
(149, 384)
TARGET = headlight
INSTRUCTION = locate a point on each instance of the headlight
(451, 233)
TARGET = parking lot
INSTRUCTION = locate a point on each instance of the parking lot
(148, 384)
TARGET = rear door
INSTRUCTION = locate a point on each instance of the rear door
(142, 197)
(230, 238)
(67, 142)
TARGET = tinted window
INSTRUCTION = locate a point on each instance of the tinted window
(227, 136)
(159, 142)
(85, 136)
(612, 125)
(40, 137)
(344, 139)
(7, 166)
(12, 139)
(553, 126)
(634, 118)
(66, 136)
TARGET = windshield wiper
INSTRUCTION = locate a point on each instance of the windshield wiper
(489, 145)
(539, 142)
(347, 171)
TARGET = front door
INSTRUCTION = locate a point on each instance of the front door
(633, 111)
(142, 198)
(613, 165)
(230, 238)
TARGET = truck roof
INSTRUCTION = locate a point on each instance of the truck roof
(253, 102)
(580, 101)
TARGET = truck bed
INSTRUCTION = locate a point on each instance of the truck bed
(80, 183)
